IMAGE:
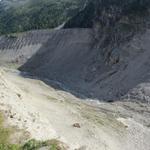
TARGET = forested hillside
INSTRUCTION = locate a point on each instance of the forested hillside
(18, 15)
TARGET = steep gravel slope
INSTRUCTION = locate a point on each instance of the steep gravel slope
(70, 58)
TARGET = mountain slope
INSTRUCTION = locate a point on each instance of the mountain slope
(71, 59)
(87, 85)
(108, 61)
(21, 16)
(104, 62)
(107, 12)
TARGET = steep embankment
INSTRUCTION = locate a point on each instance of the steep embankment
(106, 61)
(70, 57)
(64, 57)
(18, 48)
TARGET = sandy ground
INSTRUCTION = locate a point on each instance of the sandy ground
(47, 113)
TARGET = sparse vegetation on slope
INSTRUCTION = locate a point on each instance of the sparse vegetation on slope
(4, 137)
(34, 145)
(29, 145)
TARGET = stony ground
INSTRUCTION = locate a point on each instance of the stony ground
(47, 113)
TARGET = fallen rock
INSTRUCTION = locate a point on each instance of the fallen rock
(76, 125)
(11, 116)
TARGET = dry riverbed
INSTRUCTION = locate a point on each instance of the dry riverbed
(44, 113)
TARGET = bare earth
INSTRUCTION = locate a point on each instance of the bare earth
(47, 113)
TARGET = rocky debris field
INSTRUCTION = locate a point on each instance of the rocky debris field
(47, 113)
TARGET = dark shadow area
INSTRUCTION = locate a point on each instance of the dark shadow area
(62, 62)
(56, 85)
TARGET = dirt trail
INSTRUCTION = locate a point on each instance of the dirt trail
(48, 113)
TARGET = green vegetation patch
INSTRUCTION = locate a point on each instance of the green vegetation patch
(29, 145)
(37, 14)
(4, 137)
(4, 133)
(50, 144)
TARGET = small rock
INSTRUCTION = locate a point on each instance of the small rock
(76, 125)
(11, 116)
(110, 101)
(19, 95)
(19, 119)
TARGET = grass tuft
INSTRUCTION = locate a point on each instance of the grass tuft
(29, 145)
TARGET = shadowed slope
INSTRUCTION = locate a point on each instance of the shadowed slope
(70, 58)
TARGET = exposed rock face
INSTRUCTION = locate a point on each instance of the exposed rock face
(114, 22)
(106, 12)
